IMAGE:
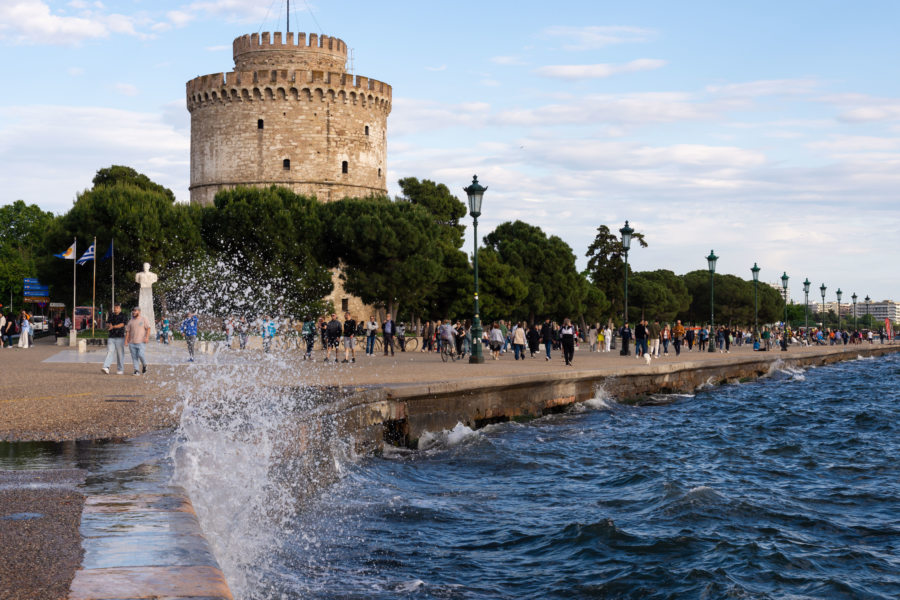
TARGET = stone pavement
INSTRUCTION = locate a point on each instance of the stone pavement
(54, 393)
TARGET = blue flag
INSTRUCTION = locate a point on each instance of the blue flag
(109, 251)
(87, 256)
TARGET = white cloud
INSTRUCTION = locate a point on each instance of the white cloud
(507, 60)
(765, 87)
(599, 70)
(126, 89)
(89, 138)
(243, 11)
(855, 143)
(591, 37)
(75, 71)
(862, 108)
(34, 22)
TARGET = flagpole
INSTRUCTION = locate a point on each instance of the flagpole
(74, 262)
(112, 246)
(94, 296)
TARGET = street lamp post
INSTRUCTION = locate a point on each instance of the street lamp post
(784, 336)
(755, 270)
(806, 285)
(476, 194)
(839, 293)
(822, 289)
(711, 263)
(868, 300)
(626, 245)
(855, 320)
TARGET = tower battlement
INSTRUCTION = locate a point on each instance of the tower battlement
(315, 51)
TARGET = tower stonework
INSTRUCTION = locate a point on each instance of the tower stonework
(290, 115)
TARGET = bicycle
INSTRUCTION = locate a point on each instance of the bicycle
(409, 344)
(448, 352)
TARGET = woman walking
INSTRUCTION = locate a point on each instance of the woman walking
(567, 341)
(495, 340)
(519, 342)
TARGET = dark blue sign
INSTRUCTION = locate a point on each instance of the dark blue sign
(32, 280)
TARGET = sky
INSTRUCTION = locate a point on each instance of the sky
(767, 131)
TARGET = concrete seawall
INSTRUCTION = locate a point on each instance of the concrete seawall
(399, 414)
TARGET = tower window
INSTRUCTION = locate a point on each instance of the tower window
(259, 123)
(379, 172)
(286, 163)
(345, 167)
(345, 304)
(367, 130)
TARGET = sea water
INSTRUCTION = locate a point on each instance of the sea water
(784, 487)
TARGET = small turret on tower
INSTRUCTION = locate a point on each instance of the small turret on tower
(319, 53)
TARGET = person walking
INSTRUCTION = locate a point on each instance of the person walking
(625, 334)
(678, 337)
(371, 333)
(495, 340)
(189, 331)
(24, 331)
(115, 343)
(593, 336)
(8, 330)
(349, 338)
(389, 330)
(229, 331)
(607, 338)
(309, 336)
(547, 336)
(702, 338)
(2, 330)
(137, 333)
(665, 337)
(689, 338)
(567, 341)
(243, 329)
(640, 339)
(653, 332)
(165, 332)
(519, 342)
(333, 330)
(534, 339)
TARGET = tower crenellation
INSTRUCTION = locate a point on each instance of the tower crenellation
(289, 114)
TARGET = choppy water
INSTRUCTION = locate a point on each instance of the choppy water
(784, 487)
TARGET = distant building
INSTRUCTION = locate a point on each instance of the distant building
(886, 309)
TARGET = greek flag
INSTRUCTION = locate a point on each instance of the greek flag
(68, 254)
(87, 256)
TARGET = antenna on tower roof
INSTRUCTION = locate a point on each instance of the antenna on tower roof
(351, 60)
(288, 16)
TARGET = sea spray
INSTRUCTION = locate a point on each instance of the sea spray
(253, 446)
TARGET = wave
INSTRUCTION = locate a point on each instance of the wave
(442, 440)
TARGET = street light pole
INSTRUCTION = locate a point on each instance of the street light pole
(711, 264)
(839, 293)
(755, 270)
(476, 194)
(806, 285)
(784, 337)
(822, 289)
(626, 245)
(855, 320)
(868, 300)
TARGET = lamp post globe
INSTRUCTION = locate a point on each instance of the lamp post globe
(711, 265)
(755, 270)
(839, 293)
(475, 192)
(855, 320)
(806, 285)
(784, 336)
(626, 246)
(822, 289)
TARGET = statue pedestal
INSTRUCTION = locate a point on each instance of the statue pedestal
(73, 339)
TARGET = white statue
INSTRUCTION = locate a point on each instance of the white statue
(146, 279)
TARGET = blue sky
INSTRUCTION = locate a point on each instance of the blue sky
(769, 131)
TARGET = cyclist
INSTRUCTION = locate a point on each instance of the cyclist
(448, 336)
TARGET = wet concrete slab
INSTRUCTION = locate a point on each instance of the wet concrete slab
(145, 546)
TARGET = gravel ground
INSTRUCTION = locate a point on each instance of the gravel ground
(40, 515)
(59, 401)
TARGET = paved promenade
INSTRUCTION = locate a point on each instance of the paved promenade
(54, 393)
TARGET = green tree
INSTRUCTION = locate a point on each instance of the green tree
(733, 300)
(449, 296)
(606, 264)
(386, 250)
(658, 294)
(546, 265)
(22, 228)
(269, 249)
